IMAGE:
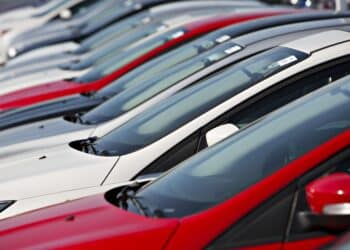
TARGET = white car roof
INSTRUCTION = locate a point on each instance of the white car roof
(319, 41)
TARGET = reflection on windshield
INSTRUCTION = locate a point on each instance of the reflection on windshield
(117, 61)
(156, 123)
(116, 46)
(152, 68)
(52, 7)
(112, 32)
(145, 90)
(222, 171)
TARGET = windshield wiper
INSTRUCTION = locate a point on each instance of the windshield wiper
(87, 146)
(128, 193)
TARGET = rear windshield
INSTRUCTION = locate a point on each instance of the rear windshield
(176, 111)
(224, 170)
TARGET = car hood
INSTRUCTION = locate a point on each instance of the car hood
(48, 110)
(88, 223)
(38, 78)
(41, 134)
(51, 170)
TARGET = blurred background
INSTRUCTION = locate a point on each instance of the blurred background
(315, 4)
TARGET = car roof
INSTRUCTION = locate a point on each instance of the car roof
(175, 5)
(319, 41)
(279, 30)
(274, 21)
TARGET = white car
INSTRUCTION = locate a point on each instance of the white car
(102, 61)
(11, 28)
(148, 84)
(155, 141)
(155, 13)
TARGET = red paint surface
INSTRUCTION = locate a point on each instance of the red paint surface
(85, 224)
(99, 225)
(330, 189)
(49, 91)
(309, 244)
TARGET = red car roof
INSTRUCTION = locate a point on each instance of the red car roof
(58, 89)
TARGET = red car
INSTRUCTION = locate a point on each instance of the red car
(274, 185)
(95, 80)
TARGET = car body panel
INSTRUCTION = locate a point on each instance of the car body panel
(28, 204)
(77, 29)
(53, 128)
(59, 126)
(66, 172)
(195, 231)
(63, 88)
(152, 229)
(19, 26)
(242, 203)
(42, 72)
(153, 151)
(46, 50)
(58, 161)
(252, 44)
(31, 80)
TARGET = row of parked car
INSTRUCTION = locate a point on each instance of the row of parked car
(158, 124)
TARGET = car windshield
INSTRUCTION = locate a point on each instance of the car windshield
(116, 11)
(51, 7)
(112, 32)
(156, 123)
(148, 70)
(103, 54)
(121, 59)
(85, 7)
(224, 170)
(138, 94)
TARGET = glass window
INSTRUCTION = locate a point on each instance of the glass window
(258, 106)
(228, 168)
(192, 102)
(136, 95)
(85, 6)
(325, 74)
(125, 57)
(150, 69)
(51, 7)
(117, 45)
(111, 32)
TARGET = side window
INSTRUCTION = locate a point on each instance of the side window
(340, 163)
(280, 213)
(266, 224)
(280, 95)
(294, 90)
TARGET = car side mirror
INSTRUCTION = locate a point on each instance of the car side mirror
(220, 133)
(329, 201)
(65, 14)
